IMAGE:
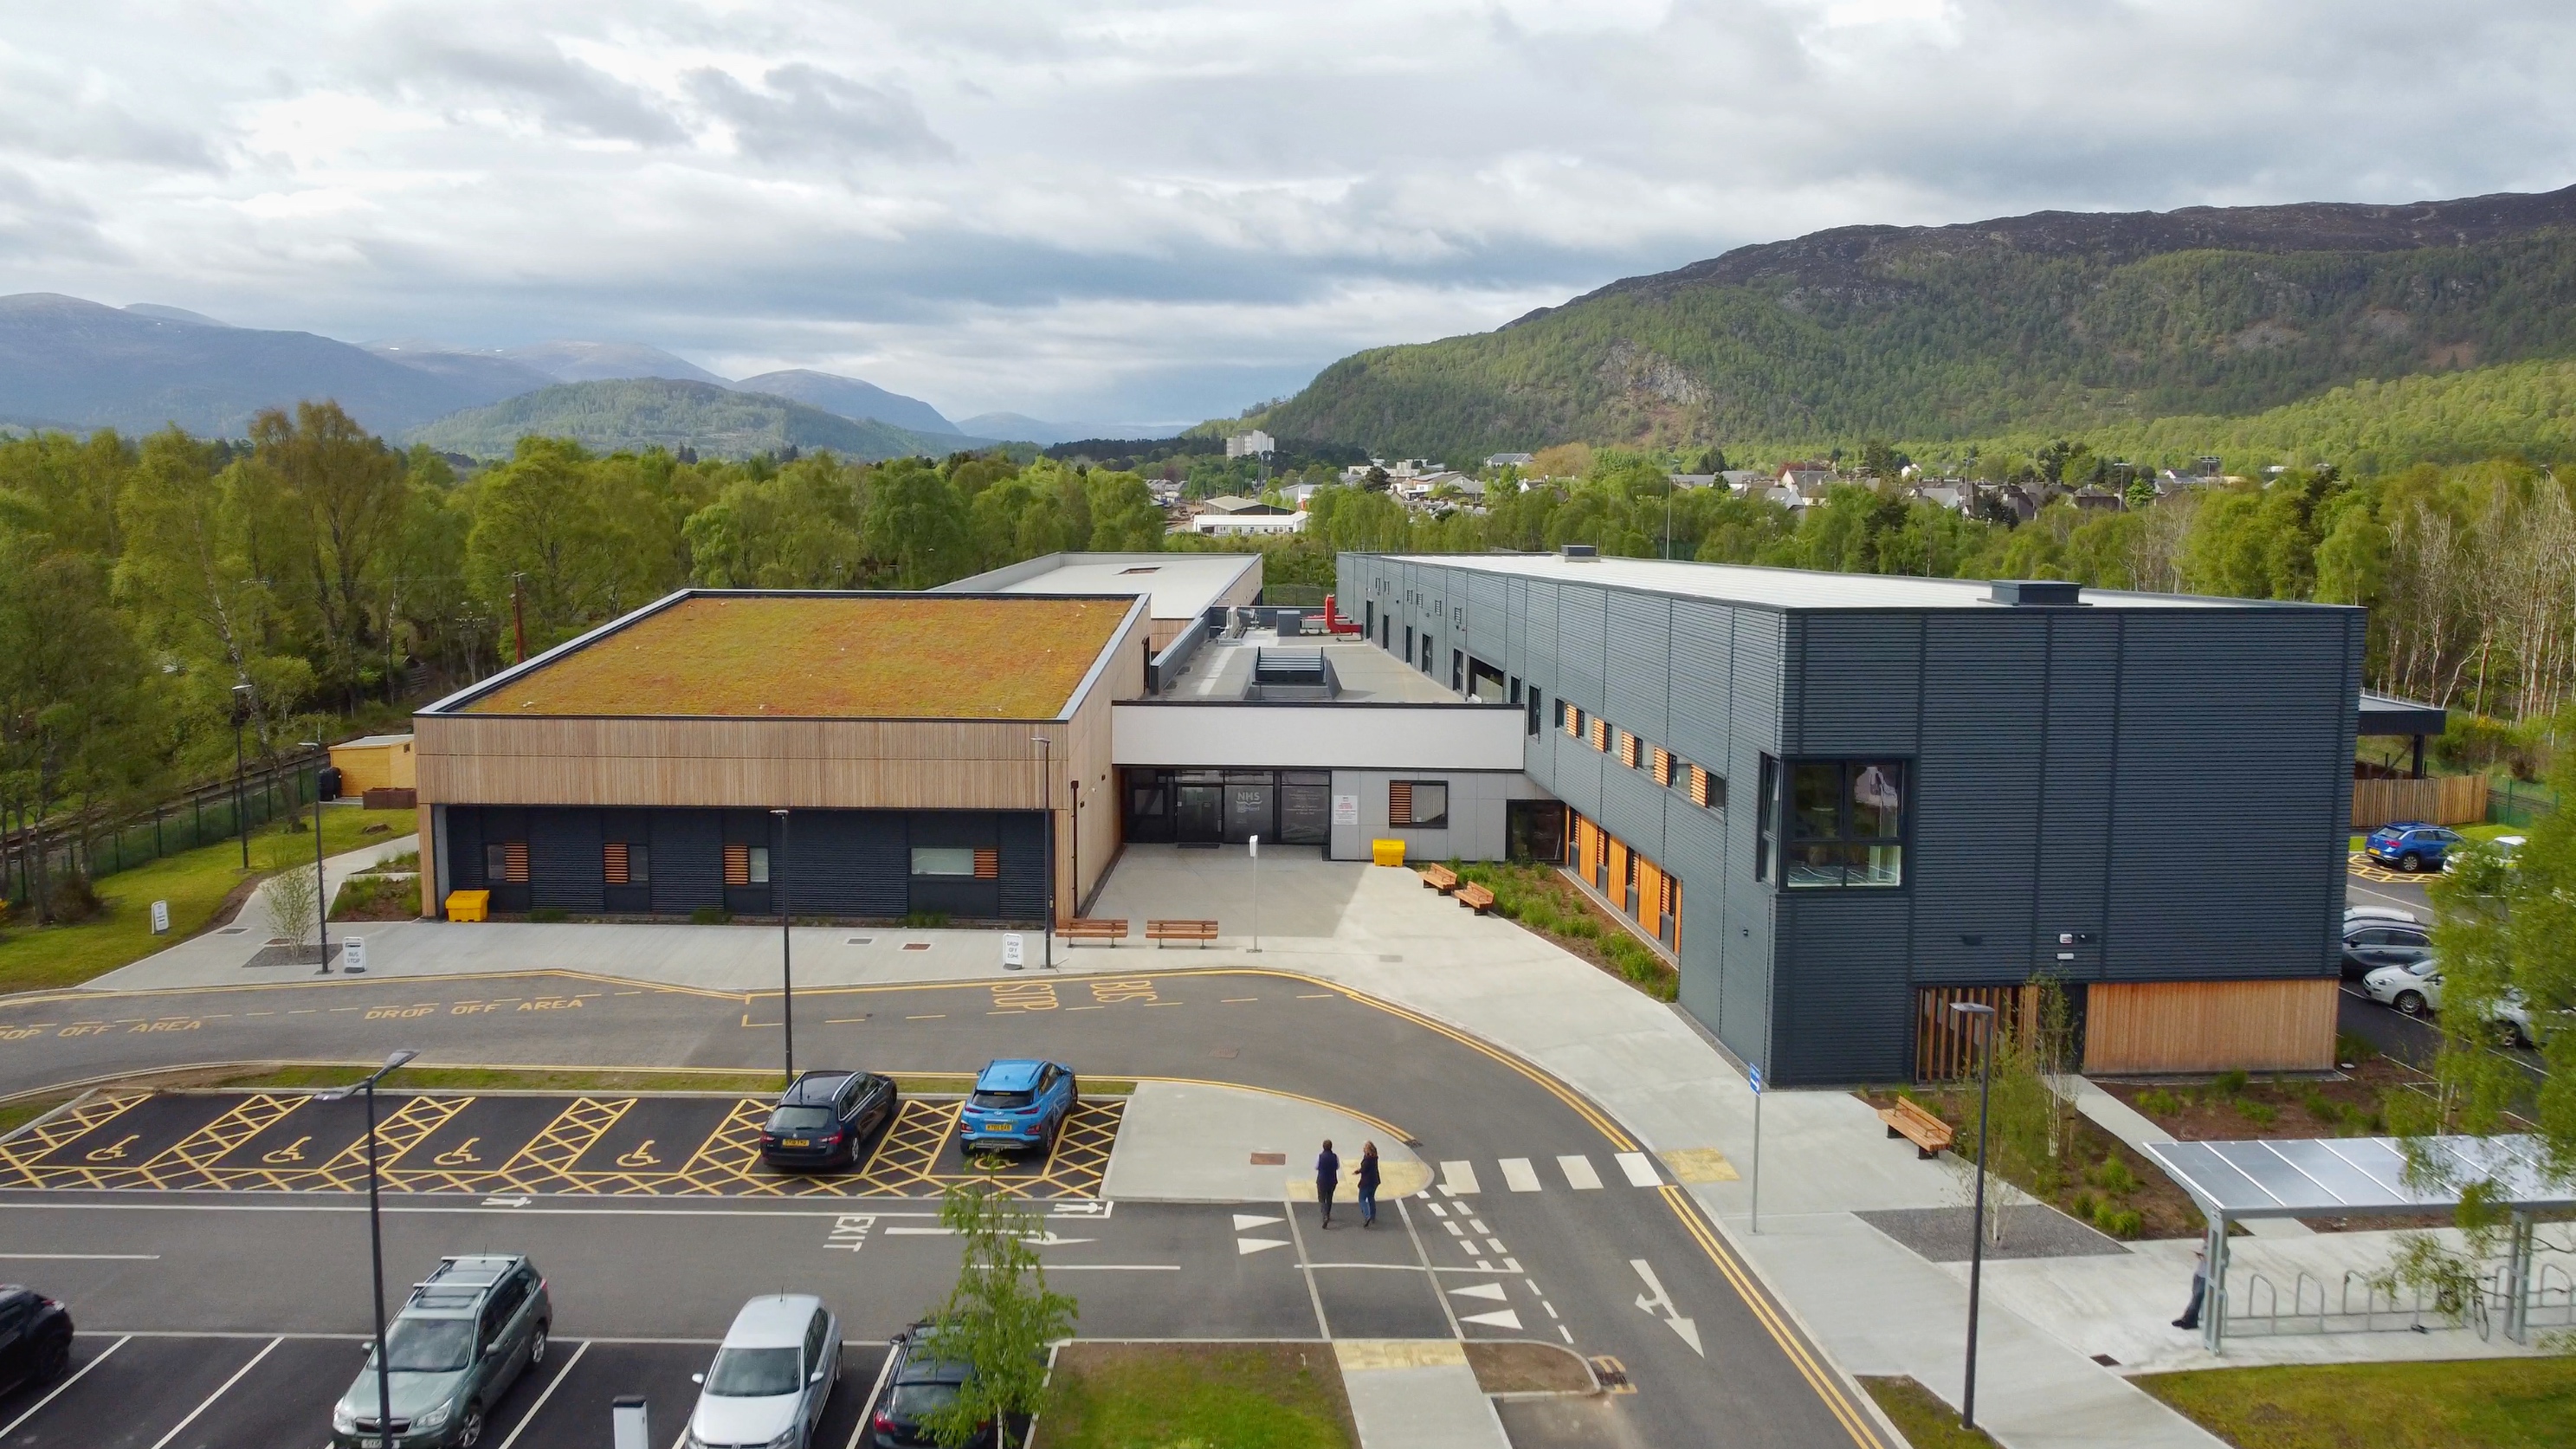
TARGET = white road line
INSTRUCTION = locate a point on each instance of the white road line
(1640, 1169)
(1454, 1229)
(534, 1409)
(1518, 1175)
(175, 1429)
(1578, 1172)
(1458, 1177)
(885, 1371)
(63, 1387)
(81, 1257)
(1113, 1267)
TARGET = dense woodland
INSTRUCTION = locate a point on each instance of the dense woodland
(344, 581)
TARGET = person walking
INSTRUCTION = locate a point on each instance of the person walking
(1328, 1176)
(1368, 1184)
(2199, 1289)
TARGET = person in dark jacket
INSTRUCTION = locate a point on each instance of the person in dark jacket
(1368, 1184)
(1328, 1175)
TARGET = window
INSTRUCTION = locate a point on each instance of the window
(1601, 734)
(1531, 703)
(943, 860)
(1423, 804)
(506, 862)
(746, 865)
(1767, 827)
(1663, 766)
(1846, 823)
(625, 863)
(1707, 791)
(1628, 749)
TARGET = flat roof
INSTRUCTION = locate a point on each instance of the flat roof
(2347, 1176)
(2383, 714)
(817, 655)
(1794, 588)
(1176, 585)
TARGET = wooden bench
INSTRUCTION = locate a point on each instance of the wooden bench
(1160, 931)
(1440, 878)
(1912, 1121)
(1476, 898)
(1086, 928)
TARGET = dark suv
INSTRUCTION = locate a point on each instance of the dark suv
(466, 1334)
(823, 1118)
(924, 1382)
(35, 1337)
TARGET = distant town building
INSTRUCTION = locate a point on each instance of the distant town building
(1254, 444)
(1508, 460)
(1691, 480)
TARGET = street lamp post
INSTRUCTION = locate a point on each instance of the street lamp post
(786, 969)
(1981, 1019)
(376, 1232)
(321, 886)
(1046, 795)
(241, 821)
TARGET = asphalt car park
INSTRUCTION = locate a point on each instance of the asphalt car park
(254, 1391)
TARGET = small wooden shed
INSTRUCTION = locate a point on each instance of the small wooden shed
(376, 762)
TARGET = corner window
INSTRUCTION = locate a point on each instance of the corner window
(943, 860)
(1531, 703)
(1422, 804)
(506, 863)
(1846, 823)
(1767, 829)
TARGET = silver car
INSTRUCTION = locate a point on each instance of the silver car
(467, 1332)
(772, 1376)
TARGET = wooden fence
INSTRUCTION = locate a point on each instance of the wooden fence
(2444, 800)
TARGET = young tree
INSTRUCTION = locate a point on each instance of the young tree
(293, 895)
(998, 1320)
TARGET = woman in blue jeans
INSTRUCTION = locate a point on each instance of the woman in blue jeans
(1368, 1184)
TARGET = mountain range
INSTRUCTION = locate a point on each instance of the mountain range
(75, 364)
(2052, 321)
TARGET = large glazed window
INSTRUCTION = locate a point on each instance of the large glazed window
(1846, 824)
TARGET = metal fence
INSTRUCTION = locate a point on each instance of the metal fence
(2514, 803)
(102, 845)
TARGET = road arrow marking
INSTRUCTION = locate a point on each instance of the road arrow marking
(1246, 1247)
(1656, 1298)
(506, 1201)
(1255, 1220)
(1503, 1319)
(1480, 1290)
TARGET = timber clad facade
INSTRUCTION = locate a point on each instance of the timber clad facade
(1909, 788)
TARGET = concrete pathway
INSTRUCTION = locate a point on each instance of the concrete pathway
(1203, 1142)
(1417, 1393)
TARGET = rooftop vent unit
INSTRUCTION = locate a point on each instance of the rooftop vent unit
(1581, 553)
(2019, 592)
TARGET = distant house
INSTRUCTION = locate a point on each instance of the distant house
(1509, 460)
(1744, 479)
(1809, 480)
(1299, 494)
(1254, 444)
(1252, 518)
(1690, 480)
(2095, 500)
(1955, 496)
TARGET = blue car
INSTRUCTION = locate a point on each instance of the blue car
(1017, 1104)
(2411, 845)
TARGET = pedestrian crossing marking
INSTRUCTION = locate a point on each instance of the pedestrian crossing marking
(1493, 1291)
(1458, 1177)
(1518, 1175)
(1578, 1173)
(1640, 1169)
(1501, 1318)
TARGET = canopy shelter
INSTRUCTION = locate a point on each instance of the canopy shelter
(2380, 714)
(2362, 1177)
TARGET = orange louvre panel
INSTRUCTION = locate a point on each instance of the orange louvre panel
(514, 862)
(1601, 735)
(737, 861)
(1627, 749)
(613, 862)
(1574, 723)
(1399, 802)
(1699, 786)
(1663, 766)
(988, 864)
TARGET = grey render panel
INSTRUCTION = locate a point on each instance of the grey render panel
(1581, 617)
(1844, 1007)
(1695, 853)
(2260, 899)
(1973, 859)
(1632, 807)
(1860, 683)
(1703, 647)
(2078, 749)
(1476, 814)
(1578, 774)
(1755, 682)
(1640, 656)
(1488, 606)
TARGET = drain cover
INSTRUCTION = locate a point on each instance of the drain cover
(863, 940)
(1390, 959)
(916, 945)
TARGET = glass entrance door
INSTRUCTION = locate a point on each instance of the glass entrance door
(1199, 813)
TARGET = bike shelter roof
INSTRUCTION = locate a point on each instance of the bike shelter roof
(2358, 1176)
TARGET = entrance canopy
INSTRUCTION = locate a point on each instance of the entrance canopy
(2356, 1176)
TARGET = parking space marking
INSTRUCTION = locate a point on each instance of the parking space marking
(551, 1385)
(209, 1401)
(60, 1389)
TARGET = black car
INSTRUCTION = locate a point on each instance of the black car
(923, 1383)
(2370, 944)
(823, 1118)
(35, 1337)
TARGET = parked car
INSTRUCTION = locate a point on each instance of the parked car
(2370, 943)
(823, 1119)
(35, 1337)
(771, 1377)
(1017, 1103)
(464, 1336)
(2504, 847)
(923, 1383)
(2354, 915)
(2411, 845)
(2415, 988)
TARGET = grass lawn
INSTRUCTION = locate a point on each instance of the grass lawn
(1927, 1422)
(1196, 1396)
(2512, 1403)
(195, 883)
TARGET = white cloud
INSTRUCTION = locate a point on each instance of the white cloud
(1140, 209)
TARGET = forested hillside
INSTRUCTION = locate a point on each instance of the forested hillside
(640, 413)
(2053, 322)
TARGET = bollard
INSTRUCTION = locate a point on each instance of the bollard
(633, 1426)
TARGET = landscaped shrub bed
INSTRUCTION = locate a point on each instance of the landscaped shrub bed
(1541, 899)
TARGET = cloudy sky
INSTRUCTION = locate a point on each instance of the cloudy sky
(1161, 212)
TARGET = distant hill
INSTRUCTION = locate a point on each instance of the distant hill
(598, 361)
(73, 364)
(1021, 428)
(2054, 321)
(172, 314)
(487, 377)
(660, 412)
(851, 398)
